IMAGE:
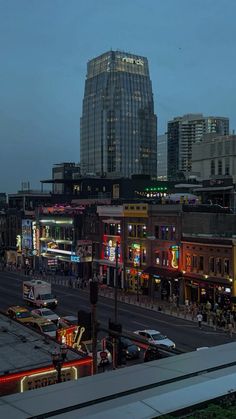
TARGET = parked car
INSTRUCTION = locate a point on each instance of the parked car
(128, 348)
(44, 326)
(67, 321)
(46, 313)
(86, 348)
(19, 313)
(156, 338)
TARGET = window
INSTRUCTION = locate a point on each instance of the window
(144, 255)
(226, 266)
(172, 233)
(188, 262)
(211, 264)
(201, 263)
(218, 266)
(157, 258)
(212, 167)
(194, 261)
(164, 232)
(157, 232)
(165, 259)
(227, 166)
(219, 167)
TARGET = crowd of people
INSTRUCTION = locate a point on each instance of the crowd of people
(215, 315)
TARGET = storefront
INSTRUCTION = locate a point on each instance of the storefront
(211, 289)
(164, 283)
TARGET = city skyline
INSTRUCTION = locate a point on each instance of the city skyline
(45, 50)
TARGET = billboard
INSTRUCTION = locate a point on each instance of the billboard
(84, 250)
(26, 241)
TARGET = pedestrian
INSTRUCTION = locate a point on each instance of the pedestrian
(199, 319)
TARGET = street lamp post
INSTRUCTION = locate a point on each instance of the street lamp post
(58, 359)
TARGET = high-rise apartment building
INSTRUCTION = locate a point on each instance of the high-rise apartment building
(118, 130)
(182, 133)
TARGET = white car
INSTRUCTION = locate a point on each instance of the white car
(156, 338)
(46, 313)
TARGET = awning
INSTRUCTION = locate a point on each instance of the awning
(162, 272)
(210, 280)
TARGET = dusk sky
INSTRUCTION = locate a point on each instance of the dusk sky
(45, 46)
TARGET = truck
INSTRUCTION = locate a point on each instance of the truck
(38, 293)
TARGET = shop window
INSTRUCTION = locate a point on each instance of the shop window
(226, 266)
(218, 266)
(201, 263)
(212, 265)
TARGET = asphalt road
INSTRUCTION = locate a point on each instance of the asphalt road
(184, 333)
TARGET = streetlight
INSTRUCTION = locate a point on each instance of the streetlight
(58, 359)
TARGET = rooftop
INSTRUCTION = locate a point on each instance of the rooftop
(22, 348)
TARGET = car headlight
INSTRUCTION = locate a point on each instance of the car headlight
(44, 304)
(139, 349)
(56, 301)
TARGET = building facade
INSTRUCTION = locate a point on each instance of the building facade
(214, 157)
(118, 133)
(64, 171)
(208, 269)
(185, 131)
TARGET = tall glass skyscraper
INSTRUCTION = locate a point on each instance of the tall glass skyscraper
(118, 129)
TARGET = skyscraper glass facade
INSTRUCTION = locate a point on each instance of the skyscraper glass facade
(118, 129)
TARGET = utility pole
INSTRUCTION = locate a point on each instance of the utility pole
(115, 281)
(93, 301)
(115, 305)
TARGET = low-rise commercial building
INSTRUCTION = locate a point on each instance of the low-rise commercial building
(26, 361)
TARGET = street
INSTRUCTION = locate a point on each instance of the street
(184, 333)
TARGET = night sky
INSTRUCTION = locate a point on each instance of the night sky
(45, 46)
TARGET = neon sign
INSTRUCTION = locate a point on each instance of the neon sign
(174, 256)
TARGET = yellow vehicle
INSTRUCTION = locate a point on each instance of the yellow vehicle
(19, 313)
(44, 326)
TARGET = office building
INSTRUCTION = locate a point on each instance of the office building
(162, 157)
(118, 125)
(185, 131)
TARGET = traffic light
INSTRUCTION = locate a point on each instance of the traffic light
(114, 327)
(93, 292)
